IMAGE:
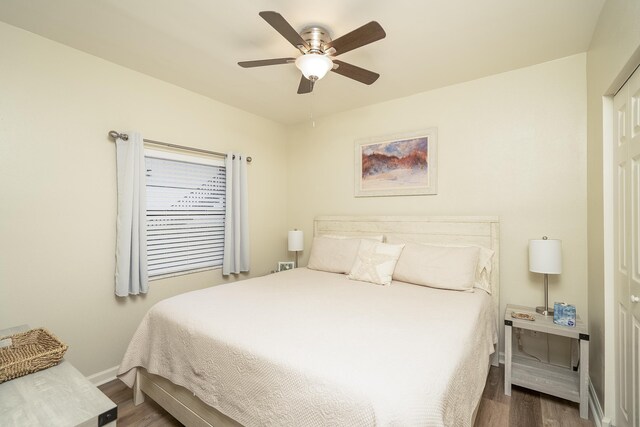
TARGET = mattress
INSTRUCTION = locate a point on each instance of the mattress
(310, 348)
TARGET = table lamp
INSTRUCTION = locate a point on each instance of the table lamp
(545, 256)
(296, 242)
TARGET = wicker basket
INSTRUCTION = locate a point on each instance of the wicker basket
(30, 351)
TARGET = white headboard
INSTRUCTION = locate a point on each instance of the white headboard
(477, 230)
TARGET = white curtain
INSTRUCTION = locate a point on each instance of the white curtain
(131, 231)
(236, 223)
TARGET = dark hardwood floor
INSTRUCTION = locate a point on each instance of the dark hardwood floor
(148, 413)
(524, 408)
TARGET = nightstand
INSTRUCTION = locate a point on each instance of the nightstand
(56, 396)
(543, 377)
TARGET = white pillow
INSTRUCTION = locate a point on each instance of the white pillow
(444, 267)
(483, 268)
(333, 255)
(375, 262)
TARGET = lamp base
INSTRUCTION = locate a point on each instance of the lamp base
(545, 311)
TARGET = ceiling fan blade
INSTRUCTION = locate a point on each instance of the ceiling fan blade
(263, 62)
(306, 85)
(285, 29)
(362, 36)
(356, 73)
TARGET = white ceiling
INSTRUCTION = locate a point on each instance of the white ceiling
(196, 44)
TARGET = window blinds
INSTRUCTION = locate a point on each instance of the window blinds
(185, 215)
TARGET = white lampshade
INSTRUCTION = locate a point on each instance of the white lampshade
(314, 66)
(296, 240)
(545, 256)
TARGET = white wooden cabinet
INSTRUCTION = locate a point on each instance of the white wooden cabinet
(543, 377)
(57, 396)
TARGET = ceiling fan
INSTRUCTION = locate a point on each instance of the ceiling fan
(319, 51)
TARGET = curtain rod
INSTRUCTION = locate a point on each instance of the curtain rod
(115, 135)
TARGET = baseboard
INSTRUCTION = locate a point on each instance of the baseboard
(104, 376)
(596, 409)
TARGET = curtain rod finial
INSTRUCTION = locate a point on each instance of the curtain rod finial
(115, 135)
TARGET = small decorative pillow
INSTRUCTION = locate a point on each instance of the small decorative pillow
(333, 255)
(444, 267)
(375, 262)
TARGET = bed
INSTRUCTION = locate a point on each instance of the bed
(307, 347)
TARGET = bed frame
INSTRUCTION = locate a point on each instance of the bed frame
(483, 231)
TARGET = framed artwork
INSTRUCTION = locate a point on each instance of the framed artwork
(397, 165)
(286, 265)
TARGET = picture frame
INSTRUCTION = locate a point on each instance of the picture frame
(286, 265)
(403, 164)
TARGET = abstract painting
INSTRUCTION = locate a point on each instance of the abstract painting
(402, 164)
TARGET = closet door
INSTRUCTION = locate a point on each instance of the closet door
(627, 253)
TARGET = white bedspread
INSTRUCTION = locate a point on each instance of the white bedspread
(309, 348)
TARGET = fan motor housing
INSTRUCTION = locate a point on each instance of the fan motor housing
(317, 37)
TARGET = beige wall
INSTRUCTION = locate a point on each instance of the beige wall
(512, 145)
(58, 191)
(611, 58)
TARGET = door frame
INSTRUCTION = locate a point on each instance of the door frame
(610, 400)
(610, 354)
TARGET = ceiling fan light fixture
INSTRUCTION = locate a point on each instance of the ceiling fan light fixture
(318, 51)
(314, 66)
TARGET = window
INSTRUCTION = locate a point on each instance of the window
(185, 212)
